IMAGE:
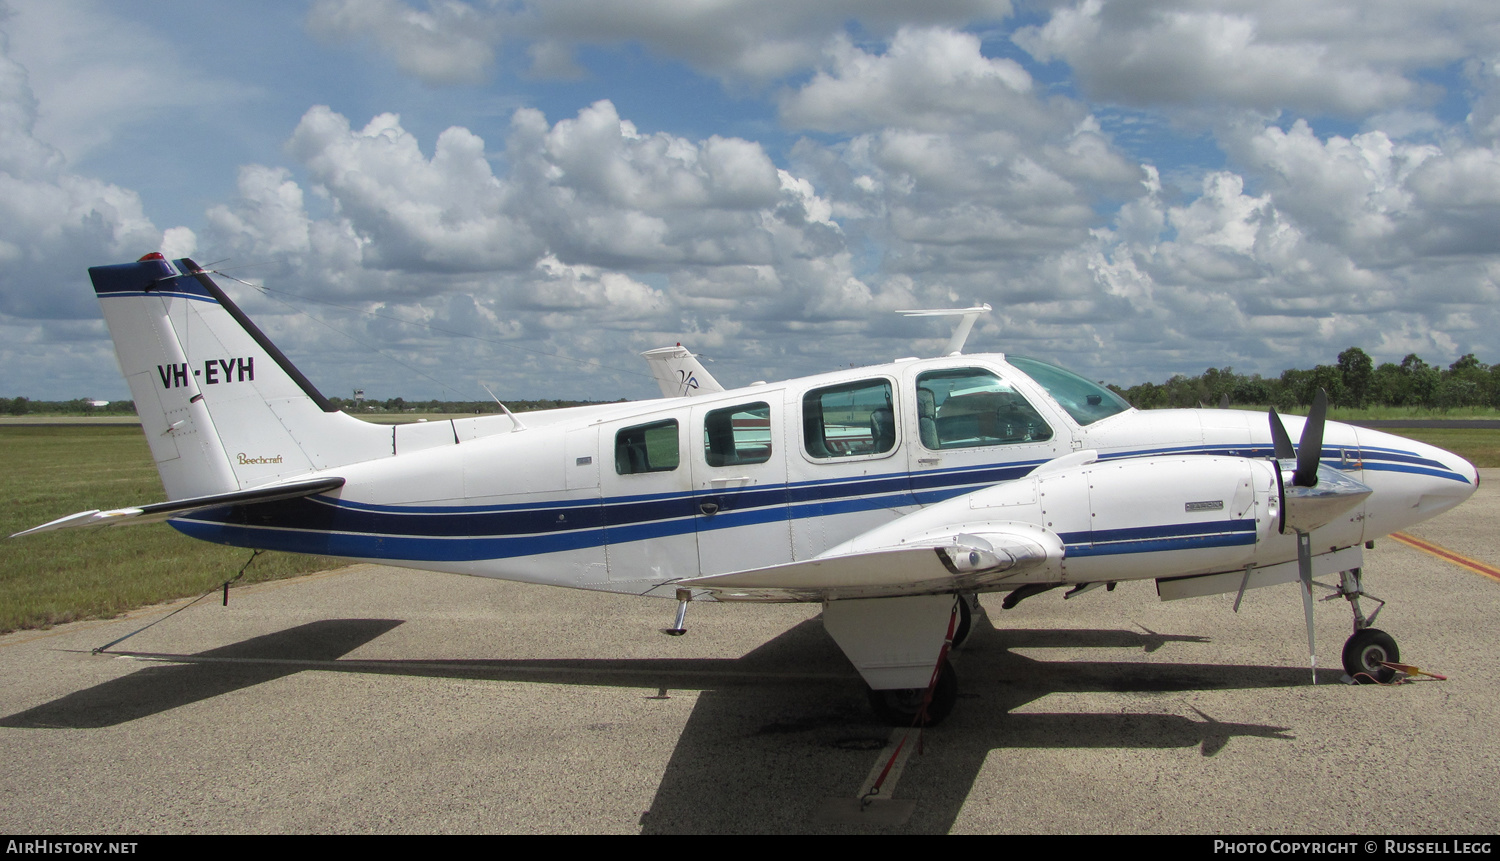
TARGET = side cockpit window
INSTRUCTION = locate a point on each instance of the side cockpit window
(849, 420)
(647, 448)
(737, 435)
(971, 407)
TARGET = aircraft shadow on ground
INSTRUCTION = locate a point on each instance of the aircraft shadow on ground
(167, 686)
(765, 761)
(776, 732)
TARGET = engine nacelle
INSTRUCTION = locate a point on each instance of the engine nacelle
(1143, 517)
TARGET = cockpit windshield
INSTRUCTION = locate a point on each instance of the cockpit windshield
(1086, 402)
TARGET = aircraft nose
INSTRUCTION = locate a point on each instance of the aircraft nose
(1428, 479)
(1456, 465)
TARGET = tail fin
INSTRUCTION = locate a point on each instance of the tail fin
(221, 407)
(679, 373)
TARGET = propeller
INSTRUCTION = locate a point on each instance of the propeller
(1310, 448)
(1310, 496)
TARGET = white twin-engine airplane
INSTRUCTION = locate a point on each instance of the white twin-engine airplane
(891, 494)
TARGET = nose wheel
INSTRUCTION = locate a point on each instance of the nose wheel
(1364, 652)
(1368, 646)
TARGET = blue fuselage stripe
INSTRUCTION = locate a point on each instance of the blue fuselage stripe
(329, 526)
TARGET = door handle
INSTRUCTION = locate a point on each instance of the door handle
(709, 508)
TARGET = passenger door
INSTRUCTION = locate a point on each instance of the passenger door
(739, 484)
(646, 485)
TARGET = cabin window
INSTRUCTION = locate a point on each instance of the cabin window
(647, 448)
(849, 420)
(970, 407)
(736, 435)
(1086, 402)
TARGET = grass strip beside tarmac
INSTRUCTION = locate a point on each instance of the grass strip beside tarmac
(98, 573)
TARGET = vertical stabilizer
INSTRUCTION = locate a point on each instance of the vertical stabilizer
(220, 405)
(679, 373)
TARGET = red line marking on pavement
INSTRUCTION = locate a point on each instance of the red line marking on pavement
(1444, 553)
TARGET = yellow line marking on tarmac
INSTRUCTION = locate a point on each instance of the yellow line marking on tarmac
(1448, 555)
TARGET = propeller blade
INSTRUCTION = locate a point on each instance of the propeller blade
(1310, 447)
(1304, 570)
(1281, 438)
(1224, 401)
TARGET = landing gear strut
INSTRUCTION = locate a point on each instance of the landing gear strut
(1368, 646)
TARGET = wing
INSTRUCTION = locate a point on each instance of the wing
(157, 512)
(928, 563)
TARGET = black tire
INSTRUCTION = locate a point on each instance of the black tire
(900, 707)
(1363, 653)
(965, 621)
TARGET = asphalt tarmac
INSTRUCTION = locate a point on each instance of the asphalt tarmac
(376, 700)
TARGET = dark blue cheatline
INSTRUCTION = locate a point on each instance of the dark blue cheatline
(1157, 539)
(329, 526)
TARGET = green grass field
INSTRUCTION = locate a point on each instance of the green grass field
(1478, 446)
(98, 573)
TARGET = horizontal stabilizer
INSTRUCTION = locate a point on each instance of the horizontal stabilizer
(159, 511)
(933, 565)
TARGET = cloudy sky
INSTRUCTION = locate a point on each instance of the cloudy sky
(430, 195)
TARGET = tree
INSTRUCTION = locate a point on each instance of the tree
(1465, 384)
(1251, 390)
(1356, 369)
(1389, 385)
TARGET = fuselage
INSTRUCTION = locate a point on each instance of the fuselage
(632, 497)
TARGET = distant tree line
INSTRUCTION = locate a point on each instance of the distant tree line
(75, 407)
(1354, 381)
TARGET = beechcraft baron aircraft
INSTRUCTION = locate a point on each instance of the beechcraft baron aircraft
(891, 494)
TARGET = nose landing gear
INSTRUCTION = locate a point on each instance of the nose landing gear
(1368, 647)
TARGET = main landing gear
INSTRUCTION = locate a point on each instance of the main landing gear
(1368, 646)
(903, 707)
